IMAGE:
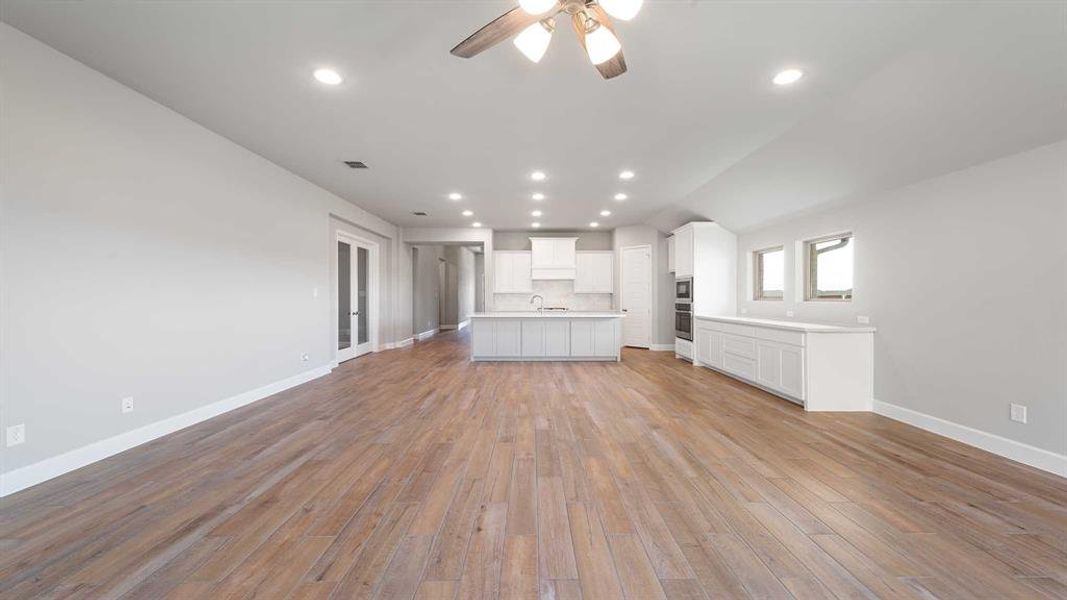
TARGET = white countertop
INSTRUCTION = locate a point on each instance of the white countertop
(560, 314)
(790, 325)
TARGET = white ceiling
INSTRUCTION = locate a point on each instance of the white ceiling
(894, 92)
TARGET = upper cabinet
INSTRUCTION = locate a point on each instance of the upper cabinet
(512, 272)
(596, 273)
(670, 253)
(683, 251)
(553, 258)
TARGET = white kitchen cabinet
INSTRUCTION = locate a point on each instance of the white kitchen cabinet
(604, 342)
(533, 338)
(483, 338)
(596, 273)
(707, 347)
(581, 338)
(508, 334)
(823, 367)
(707, 253)
(670, 254)
(557, 338)
(553, 258)
(545, 337)
(594, 337)
(512, 272)
(683, 251)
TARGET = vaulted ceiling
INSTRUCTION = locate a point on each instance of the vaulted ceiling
(894, 92)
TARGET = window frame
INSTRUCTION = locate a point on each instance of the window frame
(811, 293)
(758, 293)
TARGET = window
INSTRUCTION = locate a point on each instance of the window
(829, 274)
(769, 273)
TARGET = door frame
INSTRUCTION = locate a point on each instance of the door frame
(373, 272)
(651, 295)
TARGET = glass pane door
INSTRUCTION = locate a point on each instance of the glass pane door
(362, 330)
(344, 296)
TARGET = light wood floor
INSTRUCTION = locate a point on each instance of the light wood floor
(415, 473)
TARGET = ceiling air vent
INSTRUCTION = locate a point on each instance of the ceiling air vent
(419, 213)
(356, 164)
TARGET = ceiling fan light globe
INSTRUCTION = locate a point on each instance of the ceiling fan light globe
(533, 41)
(601, 45)
(536, 7)
(624, 10)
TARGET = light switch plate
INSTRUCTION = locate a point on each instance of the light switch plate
(127, 404)
(1018, 413)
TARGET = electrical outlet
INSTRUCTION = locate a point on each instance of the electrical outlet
(314, 292)
(1018, 413)
(127, 404)
(16, 434)
(863, 319)
(744, 311)
(305, 357)
(788, 313)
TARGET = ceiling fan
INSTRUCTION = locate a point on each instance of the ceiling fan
(535, 20)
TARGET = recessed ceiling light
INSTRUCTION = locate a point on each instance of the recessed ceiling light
(538, 196)
(594, 224)
(621, 196)
(537, 175)
(788, 76)
(468, 213)
(476, 224)
(328, 76)
(605, 213)
(535, 224)
(455, 196)
(536, 213)
(626, 175)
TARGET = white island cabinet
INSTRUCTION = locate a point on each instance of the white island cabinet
(823, 367)
(546, 336)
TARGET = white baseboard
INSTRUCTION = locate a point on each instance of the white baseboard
(463, 324)
(404, 342)
(662, 347)
(427, 334)
(448, 326)
(1001, 446)
(38, 472)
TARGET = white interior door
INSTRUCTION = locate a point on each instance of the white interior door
(355, 329)
(637, 296)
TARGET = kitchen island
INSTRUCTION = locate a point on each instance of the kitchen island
(548, 335)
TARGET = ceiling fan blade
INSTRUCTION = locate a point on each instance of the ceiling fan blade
(498, 30)
(616, 65)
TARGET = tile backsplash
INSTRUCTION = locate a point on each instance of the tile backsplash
(556, 293)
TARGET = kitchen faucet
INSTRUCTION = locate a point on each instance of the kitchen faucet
(540, 308)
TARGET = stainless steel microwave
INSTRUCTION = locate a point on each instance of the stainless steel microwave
(683, 290)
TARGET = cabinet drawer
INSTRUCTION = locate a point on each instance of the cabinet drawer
(738, 329)
(709, 325)
(740, 366)
(795, 338)
(740, 346)
(683, 348)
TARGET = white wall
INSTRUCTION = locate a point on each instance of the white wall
(965, 277)
(143, 255)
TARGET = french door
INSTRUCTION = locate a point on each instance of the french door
(356, 318)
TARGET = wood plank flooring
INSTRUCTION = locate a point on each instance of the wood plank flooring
(415, 473)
